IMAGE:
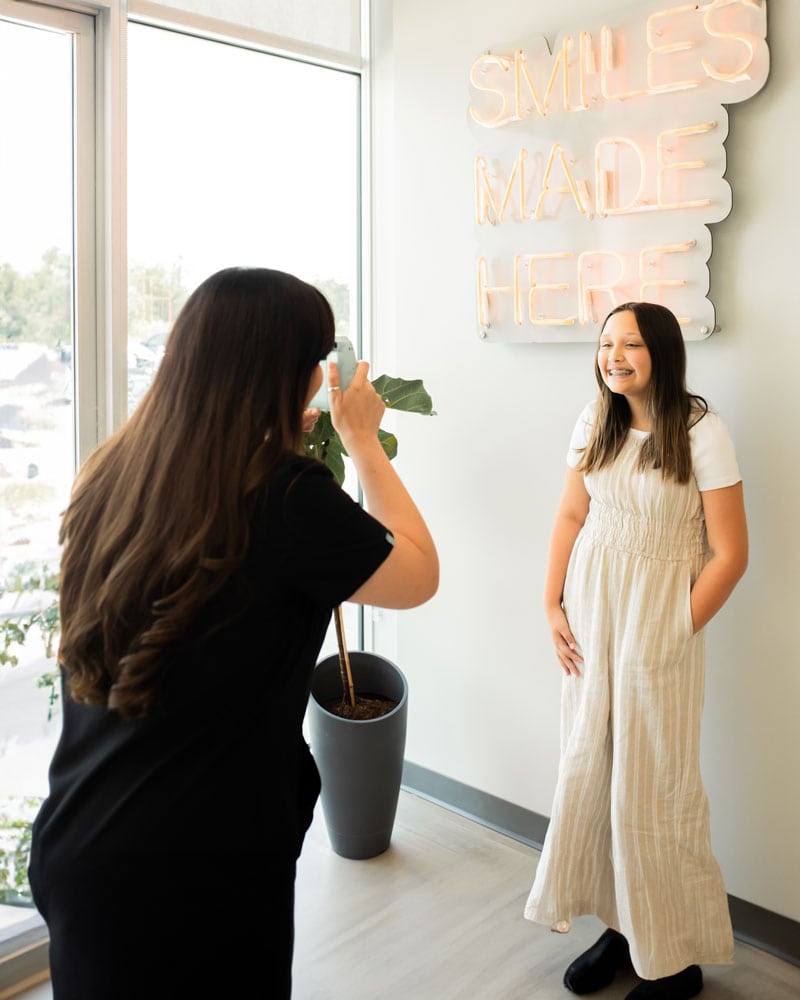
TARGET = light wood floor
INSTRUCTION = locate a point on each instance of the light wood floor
(439, 917)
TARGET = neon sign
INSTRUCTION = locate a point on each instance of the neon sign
(601, 164)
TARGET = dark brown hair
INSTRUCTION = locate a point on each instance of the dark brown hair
(158, 520)
(672, 409)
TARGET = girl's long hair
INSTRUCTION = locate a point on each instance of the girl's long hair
(158, 520)
(672, 409)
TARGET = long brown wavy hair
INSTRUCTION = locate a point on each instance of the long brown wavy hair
(158, 520)
(672, 409)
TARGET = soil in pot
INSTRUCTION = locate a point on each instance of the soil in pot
(367, 706)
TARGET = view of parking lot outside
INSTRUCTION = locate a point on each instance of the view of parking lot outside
(236, 157)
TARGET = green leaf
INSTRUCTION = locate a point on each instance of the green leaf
(389, 443)
(316, 440)
(13, 633)
(325, 444)
(408, 395)
(334, 458)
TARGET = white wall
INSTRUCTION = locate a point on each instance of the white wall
(488, 469)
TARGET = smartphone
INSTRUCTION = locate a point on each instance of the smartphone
(345, 357)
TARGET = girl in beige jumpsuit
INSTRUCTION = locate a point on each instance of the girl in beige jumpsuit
(644, 552)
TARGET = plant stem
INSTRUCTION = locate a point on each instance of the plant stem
(344, 659)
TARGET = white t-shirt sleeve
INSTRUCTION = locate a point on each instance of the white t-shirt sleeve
(580, 435)
(713, 454)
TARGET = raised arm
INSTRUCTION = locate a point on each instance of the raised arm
(570, 517)
(409, 575)
(726, 526)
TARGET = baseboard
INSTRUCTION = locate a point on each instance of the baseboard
(766, 930)
(23, 956)
(771, 932)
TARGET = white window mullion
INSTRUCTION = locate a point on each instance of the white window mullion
(110, 231)
(302, 29)
(88, 393)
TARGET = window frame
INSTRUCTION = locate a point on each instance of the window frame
(24, 945)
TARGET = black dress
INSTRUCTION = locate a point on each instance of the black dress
(163, 858)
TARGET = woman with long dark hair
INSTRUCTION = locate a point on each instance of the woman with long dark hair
(202, 556)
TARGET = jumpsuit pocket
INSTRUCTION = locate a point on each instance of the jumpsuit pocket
(681, 629)
(687, 609)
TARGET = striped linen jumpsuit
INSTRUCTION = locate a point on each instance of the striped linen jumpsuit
(629, 837)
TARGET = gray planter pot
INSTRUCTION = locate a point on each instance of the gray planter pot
(360, 762)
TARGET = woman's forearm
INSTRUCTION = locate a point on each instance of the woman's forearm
(387, 498)
(411, 573)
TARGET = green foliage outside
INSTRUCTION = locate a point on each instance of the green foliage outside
(14, 628)
(37, 307)
(16, 821)
(40, 584)
(156, 295)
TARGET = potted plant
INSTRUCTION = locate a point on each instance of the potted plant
(359, 700)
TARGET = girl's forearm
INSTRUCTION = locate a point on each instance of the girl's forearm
(565, 531)
(713, 587)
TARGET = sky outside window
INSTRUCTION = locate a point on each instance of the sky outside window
(239, 158)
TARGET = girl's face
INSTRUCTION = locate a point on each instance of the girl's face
(623, 357)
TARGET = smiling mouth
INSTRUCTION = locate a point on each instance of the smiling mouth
(613, 372)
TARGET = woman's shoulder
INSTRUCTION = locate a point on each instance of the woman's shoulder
(294, 474)
(293, 466)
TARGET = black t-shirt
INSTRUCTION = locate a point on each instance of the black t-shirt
(223, 757)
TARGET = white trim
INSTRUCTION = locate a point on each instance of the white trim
(40, 15)
(85, 285)
(162, 16)
(366, 207)
(363, 291)
(48, 7)
(111, 229)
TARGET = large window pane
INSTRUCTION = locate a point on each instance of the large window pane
(36, 416)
